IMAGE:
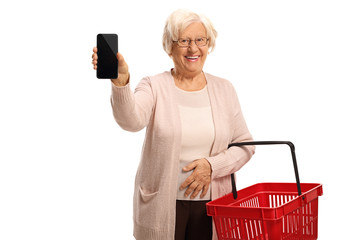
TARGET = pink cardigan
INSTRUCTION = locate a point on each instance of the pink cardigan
(154, 105)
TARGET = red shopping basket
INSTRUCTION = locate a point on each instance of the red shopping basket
(268, 211)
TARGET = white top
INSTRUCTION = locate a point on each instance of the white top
(198, 133)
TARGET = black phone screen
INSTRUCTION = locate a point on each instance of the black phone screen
(107, 65)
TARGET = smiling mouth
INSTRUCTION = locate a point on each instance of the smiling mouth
(192, 58)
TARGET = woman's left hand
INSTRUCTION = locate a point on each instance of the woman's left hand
(199, 180)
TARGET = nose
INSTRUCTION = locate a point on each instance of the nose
(192, 46)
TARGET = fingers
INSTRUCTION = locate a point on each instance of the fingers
(199, 180)
(190, 179)
(187, 183)
(196, 187)
(190, 166)
(205, 190)
(94, 62)
(94, 58)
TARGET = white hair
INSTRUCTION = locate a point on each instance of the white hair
(181, 19)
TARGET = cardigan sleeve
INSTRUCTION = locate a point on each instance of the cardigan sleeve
(132, 110)
(231, 160)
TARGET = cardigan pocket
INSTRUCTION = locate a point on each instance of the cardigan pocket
(146, 195)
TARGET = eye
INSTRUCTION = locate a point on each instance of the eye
(200, 40)
(183, 41)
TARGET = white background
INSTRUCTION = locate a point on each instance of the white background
(67, 169)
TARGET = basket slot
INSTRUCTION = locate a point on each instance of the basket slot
(271, 200)
(291, 223)
(252, 202)
(301, 223)
(254, 229)
(228, 228)
(240, 228)
(309, 218)
(277, 200)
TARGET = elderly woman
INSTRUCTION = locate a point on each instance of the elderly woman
(190, 118)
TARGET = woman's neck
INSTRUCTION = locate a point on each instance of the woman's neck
(189, 82)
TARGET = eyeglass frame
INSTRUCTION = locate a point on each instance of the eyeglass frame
(191, 40)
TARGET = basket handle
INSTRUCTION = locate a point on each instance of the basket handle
(292, 149)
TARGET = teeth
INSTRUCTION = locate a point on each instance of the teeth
(192, 57)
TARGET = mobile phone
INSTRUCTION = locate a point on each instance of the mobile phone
(107, 65)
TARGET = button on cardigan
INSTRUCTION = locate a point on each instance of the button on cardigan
(154, 105)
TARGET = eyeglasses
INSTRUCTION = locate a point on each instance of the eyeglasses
(200, 42)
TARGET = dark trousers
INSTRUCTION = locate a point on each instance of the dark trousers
(192, 222)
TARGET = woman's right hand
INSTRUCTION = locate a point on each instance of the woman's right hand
(123, 70)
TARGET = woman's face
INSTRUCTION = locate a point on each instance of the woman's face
(189, 61)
